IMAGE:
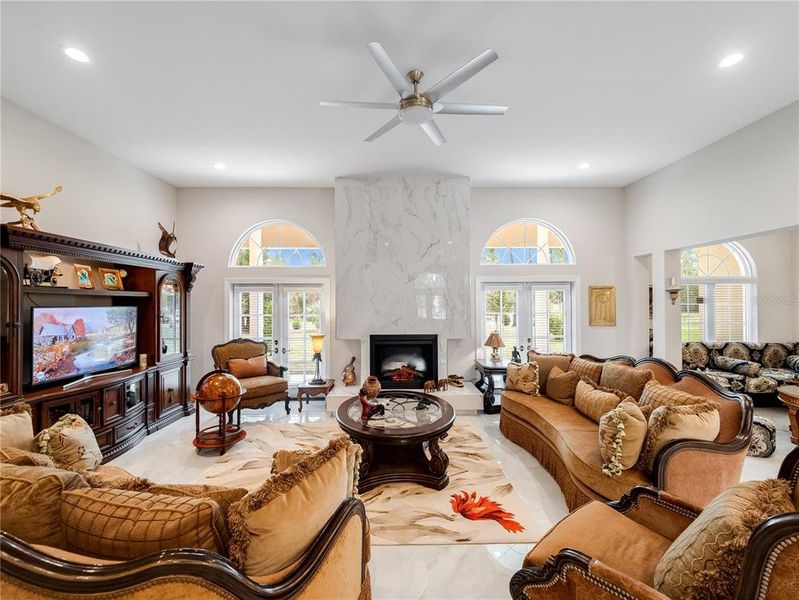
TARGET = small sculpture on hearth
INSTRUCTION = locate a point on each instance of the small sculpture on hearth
(430, 386)
(455, 380)
(168, 242)
(23, 205)
(348, 376)
(372, 386)
(442, 385)
(515, 355)
(369, 408)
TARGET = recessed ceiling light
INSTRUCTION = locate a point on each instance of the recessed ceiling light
(77, 54)
(731, 60)
(220, 166)
(583, 166)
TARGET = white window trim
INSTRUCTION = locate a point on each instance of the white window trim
(576, 304)
(240, 240)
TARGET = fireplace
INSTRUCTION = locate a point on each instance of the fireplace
(403, 361)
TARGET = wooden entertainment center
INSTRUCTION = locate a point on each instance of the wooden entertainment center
(121, 407)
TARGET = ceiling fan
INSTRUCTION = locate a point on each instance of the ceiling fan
(418, 108)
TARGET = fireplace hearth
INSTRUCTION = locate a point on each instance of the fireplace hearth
(403, 361)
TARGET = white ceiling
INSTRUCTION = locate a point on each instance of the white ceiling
(174, 87)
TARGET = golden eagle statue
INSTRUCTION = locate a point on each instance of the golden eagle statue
(23, 205)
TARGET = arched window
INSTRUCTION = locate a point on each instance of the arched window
(719, 295)
(527, 242)
(277, 244)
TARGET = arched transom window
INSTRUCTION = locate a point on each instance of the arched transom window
(527, 242)
(719, 295)
(277, 244)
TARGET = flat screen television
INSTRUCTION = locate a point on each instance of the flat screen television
(78, 340)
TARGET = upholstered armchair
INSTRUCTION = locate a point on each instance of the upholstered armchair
(263, 389)
(615, 550)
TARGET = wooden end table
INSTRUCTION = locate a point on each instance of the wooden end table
(487, 369)
(308, 389)
(403, 443)
(789, 394)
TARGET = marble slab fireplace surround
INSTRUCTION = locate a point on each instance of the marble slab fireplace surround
(402, 259)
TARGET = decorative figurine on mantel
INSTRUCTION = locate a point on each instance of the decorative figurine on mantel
(430, 386)
(168, 242)
(348, 376)
(23, 205)
(42, 270)
(441, 385)
(369, 408)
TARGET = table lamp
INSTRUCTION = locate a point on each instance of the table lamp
(317, 343)
(495, 342)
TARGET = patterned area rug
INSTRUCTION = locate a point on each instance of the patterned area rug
(478, 507)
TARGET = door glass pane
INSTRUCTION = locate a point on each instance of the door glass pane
(549, 321)
(501, 315)
(304, 319)
(693, 312)
(255, 319)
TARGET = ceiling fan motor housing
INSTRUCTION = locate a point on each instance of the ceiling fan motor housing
(416, 109)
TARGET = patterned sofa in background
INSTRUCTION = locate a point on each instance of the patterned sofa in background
(752, 368)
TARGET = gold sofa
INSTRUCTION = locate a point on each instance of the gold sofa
(262, 391)
(610, 551)
(334, 566)
(565, 442)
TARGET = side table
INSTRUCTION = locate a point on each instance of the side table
(487, 370)
(789, 394)
(309, 389)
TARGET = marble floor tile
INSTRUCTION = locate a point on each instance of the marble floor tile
(431, 572)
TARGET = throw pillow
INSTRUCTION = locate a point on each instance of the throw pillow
(283, 459)
(546, 362)
(16, 426)
(266, 535)
(667, 423)
(225, 497)
(24, 458)
(70, 442)
(656, 394)
(587, 368)
(622, 432)
(522, 378)
(30, 502)
(622, 377)
(248, 367)
(792, 362)
(706, 560)
(562, 386)
(593, 401)
(123, 524)
(746, 368)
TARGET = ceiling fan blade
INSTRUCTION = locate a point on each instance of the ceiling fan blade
(397, 80)
(346, 104)
(450, 108)
(387, 127)
(458, 77)
(433, 132)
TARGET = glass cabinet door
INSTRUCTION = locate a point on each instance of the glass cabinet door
(6, 339)
(170, 299)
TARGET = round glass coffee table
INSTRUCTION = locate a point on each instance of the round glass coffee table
(402, 444)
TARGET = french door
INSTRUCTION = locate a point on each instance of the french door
(285, 317)
(527, 315)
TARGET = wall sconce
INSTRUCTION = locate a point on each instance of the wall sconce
(673, 288)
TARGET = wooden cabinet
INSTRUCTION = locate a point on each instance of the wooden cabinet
(122, 407)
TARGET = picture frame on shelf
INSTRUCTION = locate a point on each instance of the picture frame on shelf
(83, 273)
(111, 279)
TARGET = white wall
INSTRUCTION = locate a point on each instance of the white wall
(212, 219)
(593, 221)
(745, 184)
(775, 256)
(105, 198)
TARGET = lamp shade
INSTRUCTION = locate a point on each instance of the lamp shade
(317, 343)
(494, 341)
